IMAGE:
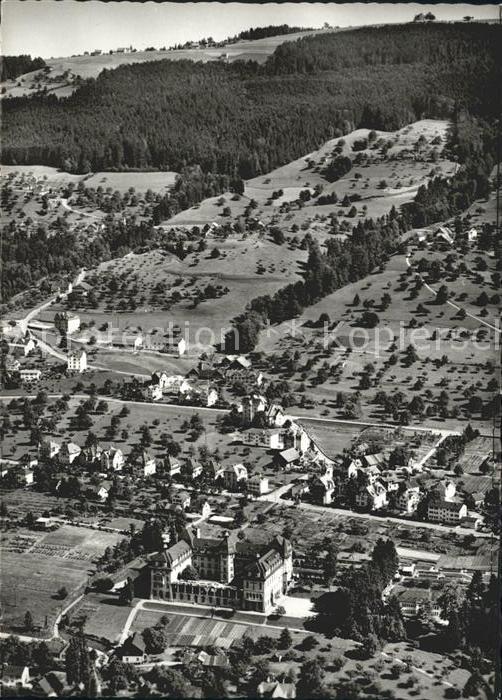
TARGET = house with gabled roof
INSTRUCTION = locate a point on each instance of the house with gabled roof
(133, 650)
(234, 474)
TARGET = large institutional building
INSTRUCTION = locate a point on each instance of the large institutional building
(231, 573)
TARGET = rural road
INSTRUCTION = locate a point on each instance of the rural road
(452, 304)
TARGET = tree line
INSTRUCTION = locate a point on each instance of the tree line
(13, 66)
(243, 119)
(344, 261)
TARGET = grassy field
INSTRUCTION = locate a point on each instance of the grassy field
(35, 565)
(60, 78)
(408, 319)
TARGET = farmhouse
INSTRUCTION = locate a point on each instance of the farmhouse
(177, 346)
(77, 361)
(233, 573)
(133, 650)
(152, 392)
(275, 689)
(102, 490)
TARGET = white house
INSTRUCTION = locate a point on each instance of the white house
(30, 375)
(77, 361)
(153, 392)
(47, 449)
(448, 512)
(133, 650)
(177, 346)
(12, 676)
(102, 490)
(269, 438)
(180, 497)
(472, 234)
(68, 453)
(408, 498)
(372, 496)
(144, 465)
(171, 465)
(112, 459)
(72, 323)
(258, 485)
(233, 474)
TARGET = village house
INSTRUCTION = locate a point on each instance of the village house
(472, 235)
(171, 466)
(408, 497)
(444, 234)
(372, 496)
(29, 375)
(234, 474)
(112, 460)
(214, 469)
(102, 490)
(53, 685)
(287, 458)
(235, 362)
(152, 392)
(447, 512)
(322, 488)
(269, 438)
(77, 361)
(66, 323)
(448, 490)
(176, 346)
(133, 650)
(48, 449)
(144, 464)
(68, 453)
(202, 395)
(258, 485)
(193, 468)
(250, 406)
(180, 497)
(277, 690)
(275, 417)
(13, 676)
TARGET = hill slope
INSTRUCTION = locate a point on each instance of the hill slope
(243, 120)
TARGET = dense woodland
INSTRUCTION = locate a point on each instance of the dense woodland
(13, 66)
(271, 30)
(242, 119)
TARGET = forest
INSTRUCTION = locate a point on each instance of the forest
(242, 119)
(271, 30)
(13, 66)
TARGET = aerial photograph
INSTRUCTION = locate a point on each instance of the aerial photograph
(250, 354)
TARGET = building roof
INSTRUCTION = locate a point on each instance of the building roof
(134, 643)
(289, 455)
(12, 672)
(448, 505)
(275, 689)
(177, 551)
